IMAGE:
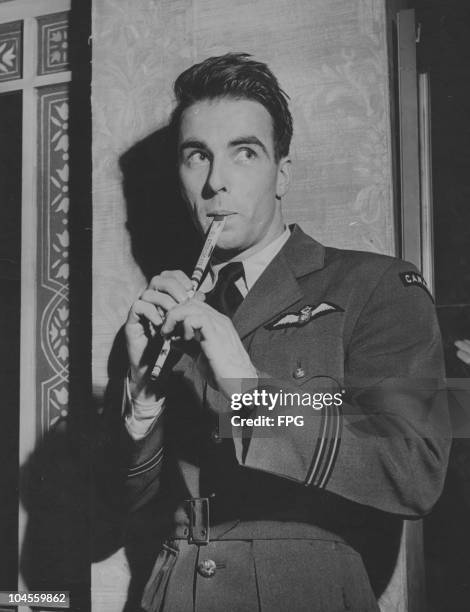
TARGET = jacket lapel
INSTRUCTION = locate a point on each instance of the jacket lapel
(277, 288)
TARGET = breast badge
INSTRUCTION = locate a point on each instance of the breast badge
(303, 316)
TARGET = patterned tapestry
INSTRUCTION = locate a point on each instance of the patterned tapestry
(52, 296)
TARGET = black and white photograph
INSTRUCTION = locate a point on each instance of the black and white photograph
(235, 305)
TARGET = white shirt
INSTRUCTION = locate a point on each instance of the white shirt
(140, 417)
(253, 266)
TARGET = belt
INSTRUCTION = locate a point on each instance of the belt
(200, 531)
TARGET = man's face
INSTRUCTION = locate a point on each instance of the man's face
(227, 163)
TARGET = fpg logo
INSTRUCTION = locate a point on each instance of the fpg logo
(289, 419)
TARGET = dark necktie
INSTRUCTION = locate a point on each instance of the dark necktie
(225, 296)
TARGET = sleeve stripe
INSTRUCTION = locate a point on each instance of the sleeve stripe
(334, 448)
(334, 456)
(327, 448)
(325, 456)
(147, 465)
(319, 449)
(316, 477)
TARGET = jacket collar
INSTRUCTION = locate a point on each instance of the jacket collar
(277, 288)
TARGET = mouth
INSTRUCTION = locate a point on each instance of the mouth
(221, 213)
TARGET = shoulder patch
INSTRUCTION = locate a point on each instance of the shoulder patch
(306, 314)
(415, 279)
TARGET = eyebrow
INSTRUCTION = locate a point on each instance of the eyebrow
(253, 140)
(242, 140)
(193, 144)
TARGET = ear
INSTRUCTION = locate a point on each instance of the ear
(283, 177)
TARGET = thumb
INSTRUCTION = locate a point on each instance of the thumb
(199, 295)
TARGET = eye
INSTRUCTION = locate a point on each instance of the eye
(197, 158)
(245, 154)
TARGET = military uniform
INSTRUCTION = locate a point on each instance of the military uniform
(285, 517)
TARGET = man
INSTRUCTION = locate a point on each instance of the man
(275, 516)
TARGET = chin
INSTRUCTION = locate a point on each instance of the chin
(225, 244)
(230, 245)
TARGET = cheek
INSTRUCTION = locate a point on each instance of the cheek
(259, 196)
(192, 182)
(253, 185)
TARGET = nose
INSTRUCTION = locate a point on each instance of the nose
(216, 180)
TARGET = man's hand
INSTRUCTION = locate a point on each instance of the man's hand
(463, 352)
(145, 317)
(227, 360)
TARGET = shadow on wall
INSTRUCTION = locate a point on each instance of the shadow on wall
(163, 236)
(55, 552)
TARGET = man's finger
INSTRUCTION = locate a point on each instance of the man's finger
(199, 295)
(144, 309)
(180, 276)
(193, 325)
(163, 300)
(179, 313)
(171, 286)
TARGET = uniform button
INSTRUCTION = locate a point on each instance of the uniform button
(216, 437)
(299, 373)
(207, 568)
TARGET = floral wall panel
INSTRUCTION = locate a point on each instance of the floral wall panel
(53, 43)
(329, 55)
(11, 49)
(53, 256)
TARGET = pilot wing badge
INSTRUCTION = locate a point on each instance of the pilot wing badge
(303, 316)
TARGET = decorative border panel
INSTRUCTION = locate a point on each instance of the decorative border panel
(53, 257)
(11, 51)
(53, 45)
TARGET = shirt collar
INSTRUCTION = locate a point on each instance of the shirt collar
(254, 265)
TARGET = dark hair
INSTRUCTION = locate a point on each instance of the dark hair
(235, 75)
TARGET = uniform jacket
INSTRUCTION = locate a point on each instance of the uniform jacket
(318, 320)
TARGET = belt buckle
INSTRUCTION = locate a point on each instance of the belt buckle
(198, 521)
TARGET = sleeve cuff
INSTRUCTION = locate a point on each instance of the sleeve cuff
(139, 417)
